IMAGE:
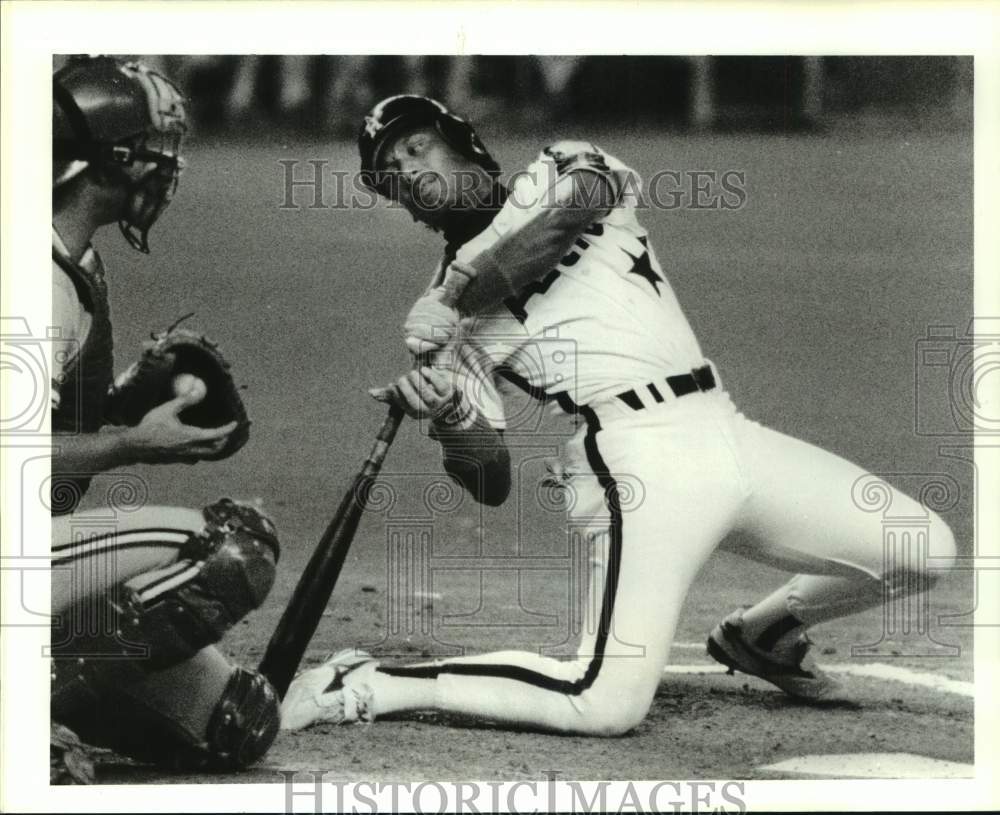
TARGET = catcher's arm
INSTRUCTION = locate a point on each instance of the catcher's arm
(474, 453)
(159, 438)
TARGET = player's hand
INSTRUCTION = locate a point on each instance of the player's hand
(431, 324)
(423, 393)
(162, 438)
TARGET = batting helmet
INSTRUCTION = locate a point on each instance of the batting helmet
(395, 114)
(113, 115)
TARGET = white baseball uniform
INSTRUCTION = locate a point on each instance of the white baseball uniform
(603, 337)
(142, 544)
(94, 550)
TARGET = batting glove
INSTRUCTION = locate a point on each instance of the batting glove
(432, 323)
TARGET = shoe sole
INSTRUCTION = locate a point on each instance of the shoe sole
(720, 654)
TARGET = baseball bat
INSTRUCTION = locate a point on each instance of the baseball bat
(305, 609)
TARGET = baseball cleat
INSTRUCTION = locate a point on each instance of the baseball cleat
(796, 674)
(324, 694)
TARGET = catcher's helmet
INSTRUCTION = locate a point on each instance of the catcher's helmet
(113, 115)
(398, 113)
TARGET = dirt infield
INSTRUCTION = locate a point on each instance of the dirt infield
(812, 300)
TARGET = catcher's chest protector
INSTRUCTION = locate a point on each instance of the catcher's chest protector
(84, 389)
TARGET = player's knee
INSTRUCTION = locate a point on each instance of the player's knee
(225, 570)
(231, 568)
(617, 720)
(238, 552)
(924, 567)
(942, 540)
(942, 548)
(616, 711)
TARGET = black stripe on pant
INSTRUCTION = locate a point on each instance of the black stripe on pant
(519, 674)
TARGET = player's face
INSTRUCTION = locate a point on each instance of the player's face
(430, 178)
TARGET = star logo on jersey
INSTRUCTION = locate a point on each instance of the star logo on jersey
(642, 267)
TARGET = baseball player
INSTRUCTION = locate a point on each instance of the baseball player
(138, 603)
(561, 253)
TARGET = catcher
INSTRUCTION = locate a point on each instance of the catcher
(138, 603)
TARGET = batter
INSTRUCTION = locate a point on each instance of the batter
(562, 254)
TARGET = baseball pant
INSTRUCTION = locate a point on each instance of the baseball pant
(696, 470)
(141, 551)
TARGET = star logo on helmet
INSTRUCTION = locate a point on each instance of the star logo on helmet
(372, 126)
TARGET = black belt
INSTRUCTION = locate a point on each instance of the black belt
(700, 379)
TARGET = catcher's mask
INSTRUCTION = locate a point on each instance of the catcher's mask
(396, 114)
(120, 117)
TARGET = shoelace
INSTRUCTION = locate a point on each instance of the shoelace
(362, 697)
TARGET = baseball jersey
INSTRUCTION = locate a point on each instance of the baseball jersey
(69, 316)
(603, 320)
(82, 358)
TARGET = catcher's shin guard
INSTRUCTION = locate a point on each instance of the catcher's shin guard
(225, 571)
(244, 724)
(241, 729)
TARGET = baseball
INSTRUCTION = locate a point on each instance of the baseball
(188, 383)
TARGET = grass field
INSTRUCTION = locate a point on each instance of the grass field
(811, 300)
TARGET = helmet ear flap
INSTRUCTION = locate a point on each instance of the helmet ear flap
(70, 133)
(463, 137)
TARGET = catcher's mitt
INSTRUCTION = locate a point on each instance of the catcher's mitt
(148, 383)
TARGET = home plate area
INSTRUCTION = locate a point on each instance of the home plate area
(870, 765)
(883, 694)
(909, 714)
(903, 721)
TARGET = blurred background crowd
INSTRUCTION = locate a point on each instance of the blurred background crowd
(329, 94)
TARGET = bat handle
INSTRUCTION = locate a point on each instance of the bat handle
(456, 279)
(383, 440)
